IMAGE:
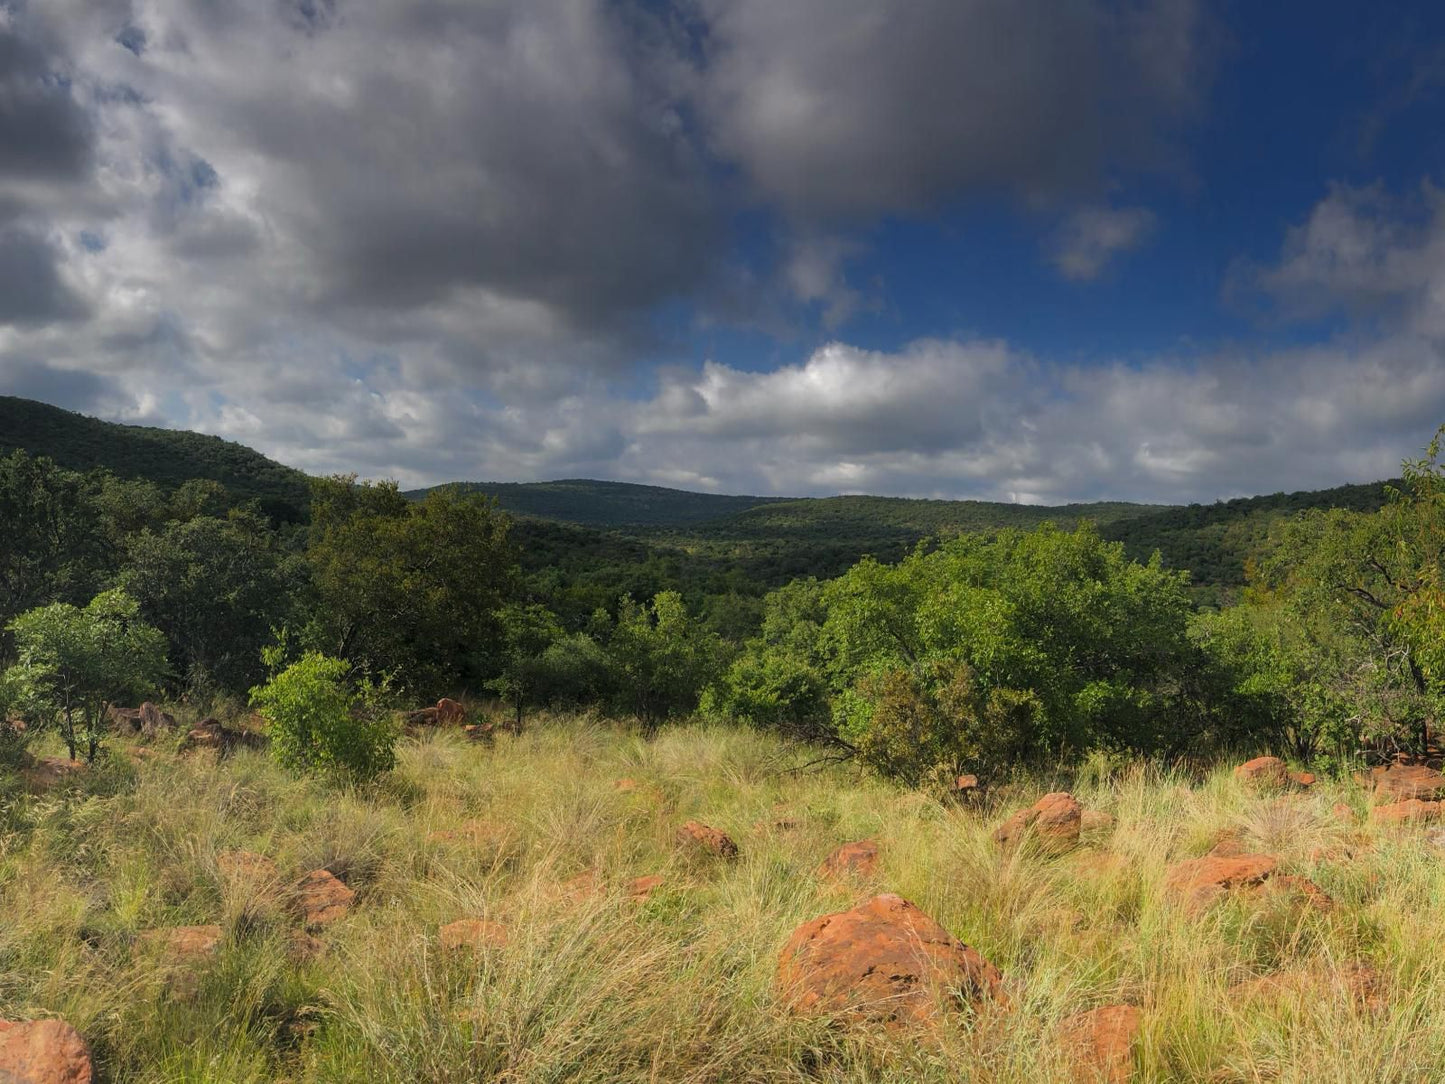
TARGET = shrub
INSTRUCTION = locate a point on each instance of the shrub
(319, 722)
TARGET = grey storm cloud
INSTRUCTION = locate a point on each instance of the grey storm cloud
(31, 289)
(44, 132)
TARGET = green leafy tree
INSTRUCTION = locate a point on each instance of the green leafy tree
(409, 588)
(73, 662)
(527, 632)
(216, 588)
(319, 722)
(1049, 640)
(663, 657)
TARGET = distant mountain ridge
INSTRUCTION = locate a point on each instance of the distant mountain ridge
(166, 457)
(588, 502)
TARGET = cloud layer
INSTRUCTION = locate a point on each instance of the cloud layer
(433, 240)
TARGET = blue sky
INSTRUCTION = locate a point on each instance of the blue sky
(1035, 250)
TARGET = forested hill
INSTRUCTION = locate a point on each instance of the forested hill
(167, 457)
(590, 503)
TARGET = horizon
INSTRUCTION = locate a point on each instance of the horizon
(1161, 252)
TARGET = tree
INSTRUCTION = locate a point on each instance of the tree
(664, 658)
(409, 587)
(527, 632)
(319, 722)
(216, 588)
(1044, 639)
(73, 662)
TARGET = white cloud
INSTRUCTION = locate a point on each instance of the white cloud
(1093, 236)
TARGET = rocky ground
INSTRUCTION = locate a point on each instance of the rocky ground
(580, 904)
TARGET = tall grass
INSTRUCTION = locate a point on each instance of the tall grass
(592, 986)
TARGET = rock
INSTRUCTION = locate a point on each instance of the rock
(1054, 820)
(702, 837)
(184, 944)
(322, 898)
(246, 866)
(43, 1052)
(1262, 773)
(585, 885)
(473, 934)
(1361, 981)
(1228, 844)
(215, 735)
(1410, 811)
(1095, 820)
(301, 947)
(641, 888)
(47, 772)
(1100, 1044)
(884, 959)
(450, 712)
(1343, 813)
(966, 789)
(1436, 838)
(479, 732)
(1401, 781)
(1198, 882)
(419, 718)
(1302, 780)
(852, 860)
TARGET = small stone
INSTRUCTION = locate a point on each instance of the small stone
(852, 860)
(1054, 821)
(641, 888)
(702, 837)
(472, 934)
(1302, 780)
(1262, 773)
(322, 898)
(1100, 1044)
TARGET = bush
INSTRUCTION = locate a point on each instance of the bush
(319, 722)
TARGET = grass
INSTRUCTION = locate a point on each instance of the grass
(594, 987)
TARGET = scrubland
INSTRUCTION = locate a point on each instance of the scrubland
(544, 834)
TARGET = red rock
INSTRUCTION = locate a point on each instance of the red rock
(884, 959)
(43, 1052)
(479, 732)
(473, 934)
(1300, 889)
(586, 884)
(1053, 820)
(1199, 881)
(186, 944)
(322, 898)
(450, 713)
(1100, 1044)
(852, 859)
(1410, 811)
(1400, 781)
(702, 837)
(641, 888)
(1262, 773)
(1303, 780)
(1343, 813)
(966, 789)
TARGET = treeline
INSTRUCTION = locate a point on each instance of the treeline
(973, 652)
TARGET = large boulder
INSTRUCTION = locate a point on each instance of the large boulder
(1397, 782)
(1198, 882)
(1100, 1044)
(885, 959)
(322, 898)
(852, 860)
(1410, 811)
(1054, 821)
(223, 740)
(701, 837)
(42, 1052)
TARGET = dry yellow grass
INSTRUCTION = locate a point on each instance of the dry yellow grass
(593, 986)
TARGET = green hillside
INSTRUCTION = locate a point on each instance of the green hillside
(167, 457)
(591, 503)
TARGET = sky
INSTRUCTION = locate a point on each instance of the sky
(1020, 250)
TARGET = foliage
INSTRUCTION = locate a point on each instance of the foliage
(72, 662)
(167, 457)
(527, 634)
(409, 588)
(1041, 641)
(319, 722)
(216, 588)
(663, 657)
